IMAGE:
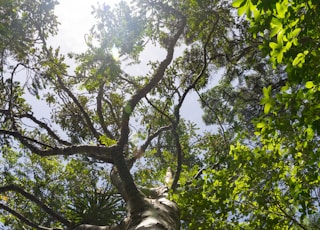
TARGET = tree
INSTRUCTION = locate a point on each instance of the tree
(97, 155)
(68, 166)
(269, 178)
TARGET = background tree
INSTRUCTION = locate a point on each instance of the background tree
(268, 103)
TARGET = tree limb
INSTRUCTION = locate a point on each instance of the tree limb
(135, 99)
(177, 111)
(97, 152)
(34, 199)
(99, 111)
(82, 110)
(113, 114)
(152, 136)
(158, 109)
(46, 127)
(25, 220)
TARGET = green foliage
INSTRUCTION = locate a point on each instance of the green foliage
(273, 174)
(258, 169)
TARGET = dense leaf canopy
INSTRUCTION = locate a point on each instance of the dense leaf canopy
(90, 143)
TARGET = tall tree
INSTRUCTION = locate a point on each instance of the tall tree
(77, 162)
(111, 150)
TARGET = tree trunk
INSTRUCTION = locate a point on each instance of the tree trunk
(159, 213)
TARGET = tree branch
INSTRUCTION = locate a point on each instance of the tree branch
(82, 110)
(23, 139)
(46, 127)
(97, 152)
(159, 110)
(290, 217)
(154, 135)
(25, 220)
(135, 99)
(115, 117)
(177, 111)
(34, 199)
(99, 111)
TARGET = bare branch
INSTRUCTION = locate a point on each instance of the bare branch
(113, 114)
(23, 138)
(179, 157)
(178, 107)
(216, 115)
(99, 111)
(11, 87)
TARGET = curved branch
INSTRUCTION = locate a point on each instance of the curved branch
(139, 153)
(82, 110)
(11, 87)
(135, 99)
(216, 115)
(203, 69)
(154, 135)
(179, 157)
(113, 114)
(99, 111)
(178, 107)
(46, 127)
(288, 216)
(34, 199)
(23, 139)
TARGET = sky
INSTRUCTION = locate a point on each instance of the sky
(76, 20)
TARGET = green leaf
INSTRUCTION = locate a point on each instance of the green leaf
(107, 141)
(310, 133)
(267, 91)
(260, 125)
(309, 84)
(280, 56)
(300, 59)
(295, 33)
(242, 9)
(238, 3)
(273, 45)
(276, 26)
(281, 9)
(285, 88)
(267, 108)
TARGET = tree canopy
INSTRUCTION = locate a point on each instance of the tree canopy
(93, 146)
